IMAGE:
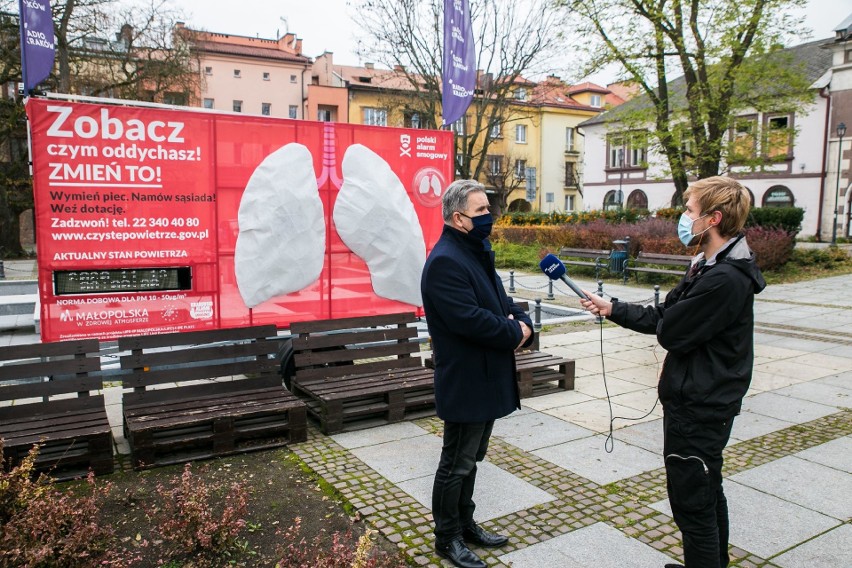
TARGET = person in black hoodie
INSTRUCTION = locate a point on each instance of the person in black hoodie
(707, 326)
(475, 329)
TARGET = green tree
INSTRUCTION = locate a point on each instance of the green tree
(727, 56)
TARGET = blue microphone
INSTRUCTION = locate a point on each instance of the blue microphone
(555, 270)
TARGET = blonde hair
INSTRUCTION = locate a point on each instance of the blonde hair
(725, 195)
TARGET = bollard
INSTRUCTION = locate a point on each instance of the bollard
(2, 271)
(656, 295)
(511, 281)
(550, 295)
(600, 293)
(537, 316)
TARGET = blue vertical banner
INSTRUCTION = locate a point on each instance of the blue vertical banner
(37, 42)
(459, 64)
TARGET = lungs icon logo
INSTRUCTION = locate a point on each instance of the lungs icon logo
(429, 186)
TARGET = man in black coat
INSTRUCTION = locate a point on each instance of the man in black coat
(475, 329)
(707, 326)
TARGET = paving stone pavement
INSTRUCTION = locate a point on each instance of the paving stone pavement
(550, 483)
(568, 502)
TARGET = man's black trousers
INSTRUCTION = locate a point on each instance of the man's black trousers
(693, 456)
(452, 494)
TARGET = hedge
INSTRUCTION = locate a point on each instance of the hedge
(773, 246)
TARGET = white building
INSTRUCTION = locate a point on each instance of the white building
(789, 148)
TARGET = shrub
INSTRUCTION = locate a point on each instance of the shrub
(344, 552)
(787, 218)
(772, 247)
(190, 523)
(43, 527)
(828, 258)
(535, 218)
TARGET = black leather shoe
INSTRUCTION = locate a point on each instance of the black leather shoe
(456, 552)
(477, 535)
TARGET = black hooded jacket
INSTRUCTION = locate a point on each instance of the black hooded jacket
(707, 326)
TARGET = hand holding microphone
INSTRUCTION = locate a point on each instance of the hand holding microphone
(555, 270)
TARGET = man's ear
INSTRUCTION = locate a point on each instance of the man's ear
(717, 217)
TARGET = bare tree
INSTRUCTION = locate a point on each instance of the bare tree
(725, 53)
(124, 50)
(512, 40)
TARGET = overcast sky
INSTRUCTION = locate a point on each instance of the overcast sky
(326, 25)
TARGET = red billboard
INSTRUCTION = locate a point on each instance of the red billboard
(154, 220)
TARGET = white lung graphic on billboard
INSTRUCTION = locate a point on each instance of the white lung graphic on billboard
(376, 220)
(281, 241)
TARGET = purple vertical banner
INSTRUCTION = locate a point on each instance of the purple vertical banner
(37, 42)
(459, 72)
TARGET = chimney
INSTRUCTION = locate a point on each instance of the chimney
(399, 68)
(369, 65)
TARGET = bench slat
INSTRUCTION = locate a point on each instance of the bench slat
(305, 342)
(64, 385)
(196, 337)
(350, 323)
(325, 372)
(158, 377)
(49, 368)
(49, 349)
(232, 351)
(311, 358)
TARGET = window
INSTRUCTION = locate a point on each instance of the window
(569, 203)
(520, 94)
(779, 137)
(495, 165)
(637, 200)
(237, 74)
(616, 152)
(743, 138)
(376, 116)
(569, 139)
(520, 169)
(611, 200)
(293, 111)
(208, 70)
(570, 175)
(778, 196)
(265, 108)
(637, 155)
(174, 99)
(208, 103)
(326, 113)
(411, 120)
(521, 133)
(293, 78)
(495, 131)
(238, 106)
(460, 126)
(266, 75)
(596, 101)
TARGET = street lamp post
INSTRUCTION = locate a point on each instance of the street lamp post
(620, 195)
(841, 132)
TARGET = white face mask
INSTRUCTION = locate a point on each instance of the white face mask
(684, 229)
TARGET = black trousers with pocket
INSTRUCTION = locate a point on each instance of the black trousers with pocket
(693, 457)
(452, 493)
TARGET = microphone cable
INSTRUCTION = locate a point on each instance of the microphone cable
(609, 443)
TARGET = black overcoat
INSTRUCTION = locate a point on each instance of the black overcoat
(473, 339)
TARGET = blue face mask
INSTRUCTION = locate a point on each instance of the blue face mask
(684, 229)
(481, 225)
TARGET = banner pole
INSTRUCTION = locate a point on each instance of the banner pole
(23, 50)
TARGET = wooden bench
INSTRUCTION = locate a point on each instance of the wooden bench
(361, 371)
(596, 258)
(52, 385)
(538, 373)
(202, 394)
(657, 259)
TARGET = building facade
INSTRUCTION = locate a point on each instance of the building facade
(781, 156)
(252, 75)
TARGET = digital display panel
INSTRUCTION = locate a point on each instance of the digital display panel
(67, 282)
